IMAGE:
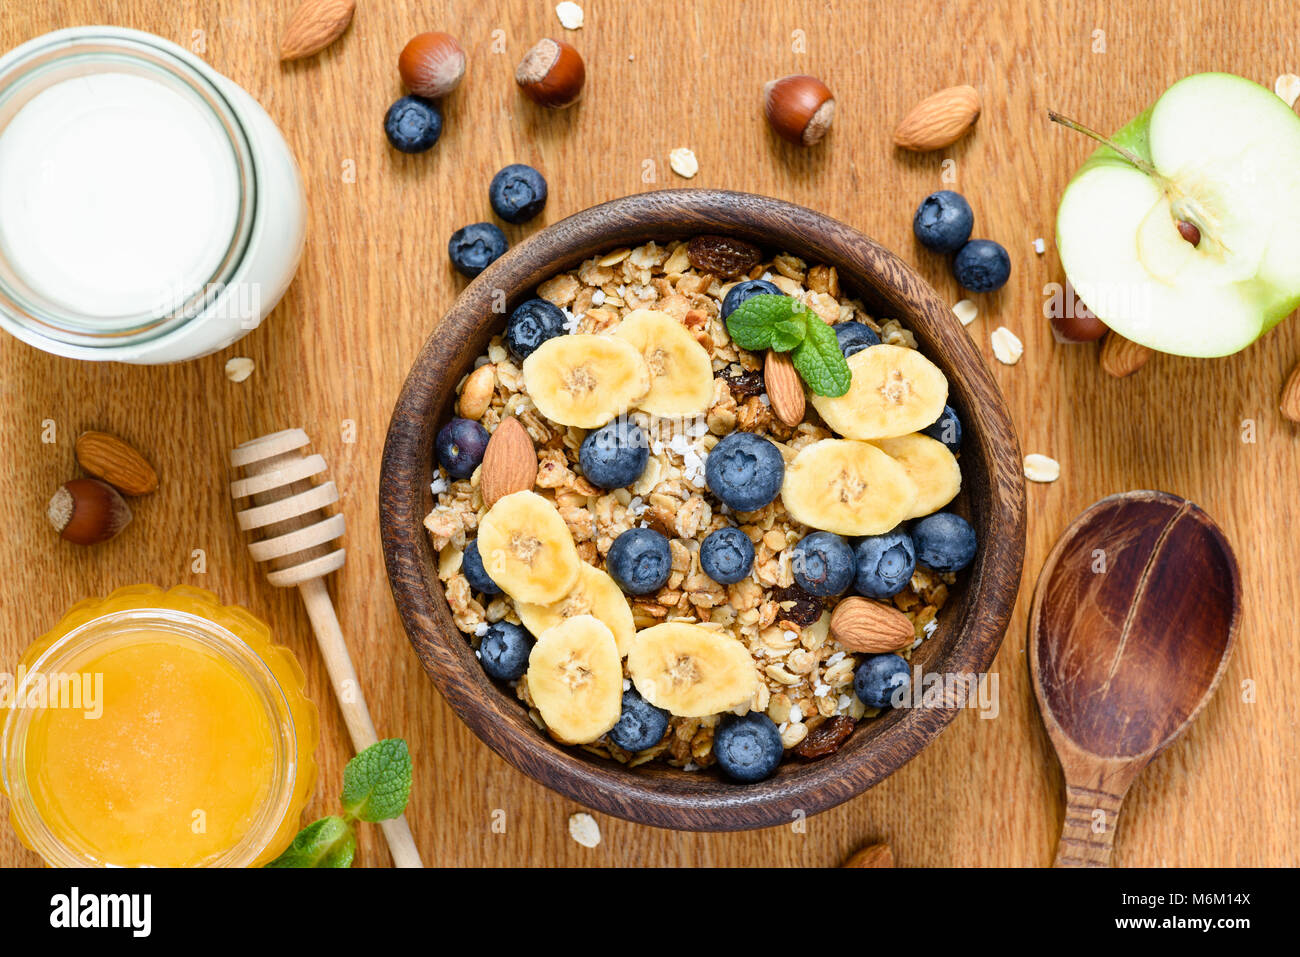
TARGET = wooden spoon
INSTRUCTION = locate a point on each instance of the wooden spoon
(1133, 619)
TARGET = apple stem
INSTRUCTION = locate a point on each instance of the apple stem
(1128, 154)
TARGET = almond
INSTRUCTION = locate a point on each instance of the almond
(314, 26)
(109, 458)
(1122, 357)
(476, 393)
(863, 625)
(1290, 403)
(873, 855)
(938, 120)
(784, 388)
(509, 463)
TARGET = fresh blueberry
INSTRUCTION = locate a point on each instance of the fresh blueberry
(943, 221)
(878, 678)
(727, 555)
(944, 542)
(460, 446)
(885, 564)
(640, 561)
(741, 291)
(517, 193)
(854, 336)
(474, 247)
(947, 429)
(530, 324)
(413, 124)
(982, 266)
(504, 650)
(614, 456)
(745, 471)
(471, 566)
(747, 747)
(641, 725)
(823, 564)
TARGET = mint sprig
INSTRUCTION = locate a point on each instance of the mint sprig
(784, 324)
(376, 787)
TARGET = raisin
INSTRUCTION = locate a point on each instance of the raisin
(743, 384)
(805, 609)
(722, 255)
(825, 739)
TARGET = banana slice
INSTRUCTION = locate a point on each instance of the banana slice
(681, 373)
(594, 594)
(894, 391)
(575, 678)
(691, 671)
(847, 487)
(586, 380)
(930, 465)
(527, 549)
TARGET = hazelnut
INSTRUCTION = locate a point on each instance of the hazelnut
(552, 74)
(799, 108)
(1077, 323)
(87, 511)
(431, 65)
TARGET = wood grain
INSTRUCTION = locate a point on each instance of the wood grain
(969, 630)
(375, 278)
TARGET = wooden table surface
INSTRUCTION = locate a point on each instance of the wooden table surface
(375, 279)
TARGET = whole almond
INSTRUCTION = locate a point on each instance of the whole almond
(476, 393)
(873, 855)
(1290, 403)
(1122, 357)
(784, 388)
(314, 26)
(509, 463)
(109, 458)
(939, 120)
(863, 625)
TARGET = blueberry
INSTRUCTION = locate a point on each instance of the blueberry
(640, 561)
(474, 247)
(471, 566)
(745, 471)
(531, 324)
(741, 291)
(747, 747)
(614, 456)
(504, 650)
(413, 124)
(854, 336)
(885, 564)
(727, 555)
(943, 221)
(823, 564)
(944, 542)
(517, 193)
(878, 678)
(641, 725)
(460, 446)
(982, 265)
(947, 429)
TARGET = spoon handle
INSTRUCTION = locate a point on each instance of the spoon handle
(1088, 834)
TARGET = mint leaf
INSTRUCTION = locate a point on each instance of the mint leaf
(788, 333)
(328, 842)
(377, 782)
(752, 324)
(819, 361)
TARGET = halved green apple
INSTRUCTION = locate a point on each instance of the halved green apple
(1218, 152)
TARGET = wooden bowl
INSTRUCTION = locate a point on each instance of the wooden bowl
(971, 624)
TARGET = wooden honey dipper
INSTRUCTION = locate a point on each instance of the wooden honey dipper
(286, 513)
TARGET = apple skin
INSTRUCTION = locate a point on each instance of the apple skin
(1268, 304)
